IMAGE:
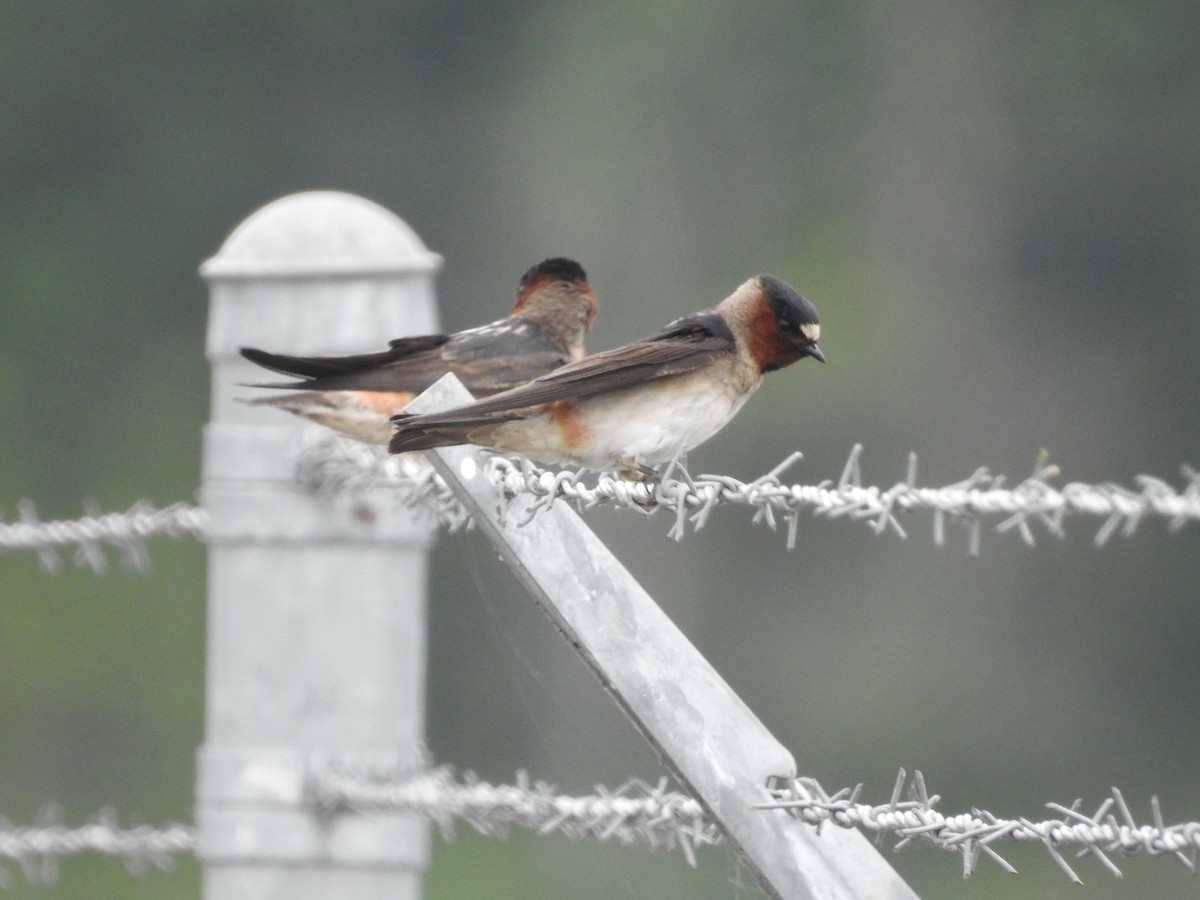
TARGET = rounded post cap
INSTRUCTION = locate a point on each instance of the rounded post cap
(320, 233)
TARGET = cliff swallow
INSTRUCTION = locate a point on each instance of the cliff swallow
(643, 404)
(357, 394)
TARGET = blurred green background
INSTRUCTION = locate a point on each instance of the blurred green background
(996, 208)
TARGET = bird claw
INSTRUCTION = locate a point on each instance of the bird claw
(638, 472)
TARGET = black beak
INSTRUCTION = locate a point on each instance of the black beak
(815, 352)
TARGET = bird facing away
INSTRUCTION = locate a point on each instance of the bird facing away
(643, 404)
(356, 395)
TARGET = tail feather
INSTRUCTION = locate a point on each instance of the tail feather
(304, 366)
(406, 441)
(301, 404)
(326, 368)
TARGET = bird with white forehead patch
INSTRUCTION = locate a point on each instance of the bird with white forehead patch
(356, 395)
(641, 405)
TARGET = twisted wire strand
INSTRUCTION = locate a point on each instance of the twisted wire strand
(1110, 831)
(335, 468)
(634, 813)
(640, 813)
(38, 848)
(95, 531)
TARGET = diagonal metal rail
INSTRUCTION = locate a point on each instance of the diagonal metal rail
(703, 732)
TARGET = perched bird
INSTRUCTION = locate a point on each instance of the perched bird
(643, 404)
(357, 394)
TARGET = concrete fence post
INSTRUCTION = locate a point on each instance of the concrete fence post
(316, 609)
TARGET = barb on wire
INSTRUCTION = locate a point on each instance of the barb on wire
(91, 534)
(1034, 501)
(334, 466)
(636, 812)
(38, 848)
(1103, 834)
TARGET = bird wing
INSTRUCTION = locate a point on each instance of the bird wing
(684, 345)
(486, 360)
(404, 366)
(502, 355)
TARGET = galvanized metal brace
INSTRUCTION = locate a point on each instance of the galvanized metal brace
(703, 732)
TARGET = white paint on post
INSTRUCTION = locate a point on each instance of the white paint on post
(316, 609)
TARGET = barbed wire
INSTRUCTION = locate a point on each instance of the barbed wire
(38, 848)
(95, 531)
(973, 834)
(333, 466)
(637, 812)
(634, 813)
(337, 467)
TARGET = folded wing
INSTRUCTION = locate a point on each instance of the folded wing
(487, 359)
(684, 345)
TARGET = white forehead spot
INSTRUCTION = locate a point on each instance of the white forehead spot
(811, 330)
